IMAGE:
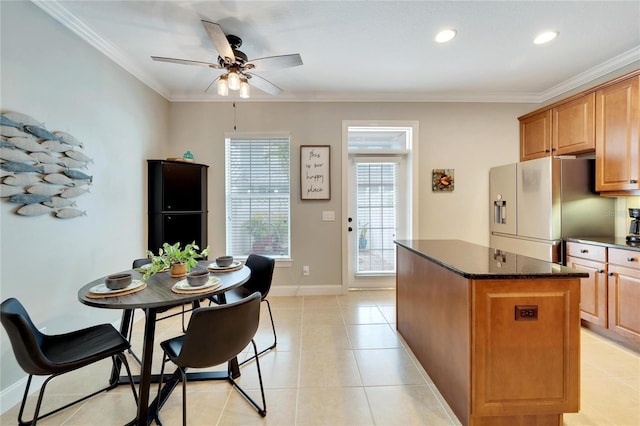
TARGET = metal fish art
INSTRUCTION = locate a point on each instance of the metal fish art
(40, 168)
(14, 166)
(24, 119)
(29, 198)
(71, 163)
(50, 169)
(41, 133)
(48, 190)
(55, 146)
(43, 157)
(68, 139)
(11, 132)
(6, 121)
(77, 155)
(57, 202)
(59, 179)
(15, 155)
(69, 213)
(75, 174)
(22, 180)
(8, 190)
(74, 191)
(34, 210)
(28, 144)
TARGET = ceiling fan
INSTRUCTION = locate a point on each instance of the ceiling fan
(239, 70)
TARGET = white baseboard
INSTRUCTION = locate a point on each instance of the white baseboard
(12, 395)
(307, 290)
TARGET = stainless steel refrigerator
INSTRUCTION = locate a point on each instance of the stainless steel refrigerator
(537, 203)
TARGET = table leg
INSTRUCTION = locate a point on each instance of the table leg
(127, 317)
(145, 373)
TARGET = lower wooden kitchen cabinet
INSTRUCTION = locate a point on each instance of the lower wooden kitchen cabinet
(624, 293)
(610, 297)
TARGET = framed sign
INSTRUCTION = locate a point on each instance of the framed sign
(315, 172)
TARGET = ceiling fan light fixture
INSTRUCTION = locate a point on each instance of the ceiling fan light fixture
(244, 88)
(223, 86)
(545, 37)
(234, 80)
(445, 35)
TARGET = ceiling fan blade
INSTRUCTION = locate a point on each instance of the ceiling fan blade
(219, 40)
(276, 62)
(264, 85)
(186, 62)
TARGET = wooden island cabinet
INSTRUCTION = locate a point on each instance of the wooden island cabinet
(498, 333)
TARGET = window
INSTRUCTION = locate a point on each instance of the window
(258, 195)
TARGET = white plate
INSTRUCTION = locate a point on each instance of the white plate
(184, 284)
(215, 266)
(102, 288)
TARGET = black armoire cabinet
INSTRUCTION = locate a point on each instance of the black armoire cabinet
(177, 203)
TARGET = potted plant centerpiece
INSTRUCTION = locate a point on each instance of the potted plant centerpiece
(177, 260)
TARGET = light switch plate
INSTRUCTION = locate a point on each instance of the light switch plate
(328, 215)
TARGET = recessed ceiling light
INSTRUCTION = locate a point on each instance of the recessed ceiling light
(445, 35)
(545, 37)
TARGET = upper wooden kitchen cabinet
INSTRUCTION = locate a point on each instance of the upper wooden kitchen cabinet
(562, 130)
(574, 126)
(618, 137)
(535, 135)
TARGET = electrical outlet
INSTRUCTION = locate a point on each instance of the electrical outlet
(526, 312)
(305, 270)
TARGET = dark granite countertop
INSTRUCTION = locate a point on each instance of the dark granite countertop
(614, 242)
(484, 263)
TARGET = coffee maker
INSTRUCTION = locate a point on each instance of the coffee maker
(634, 228)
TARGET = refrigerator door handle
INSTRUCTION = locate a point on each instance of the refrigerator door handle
(500, 212)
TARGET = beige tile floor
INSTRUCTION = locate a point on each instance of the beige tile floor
(339, 361)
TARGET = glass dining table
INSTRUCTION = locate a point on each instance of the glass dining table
(159, 293)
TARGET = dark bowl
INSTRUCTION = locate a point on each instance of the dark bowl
(197, 278)
(224, 261)
(117, 281)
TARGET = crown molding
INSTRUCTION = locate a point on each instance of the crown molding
(58, 12)
(630, 56)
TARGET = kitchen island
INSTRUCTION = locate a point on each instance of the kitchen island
(498, 333)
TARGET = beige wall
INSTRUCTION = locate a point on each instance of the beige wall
(50, 74)
(467, 137)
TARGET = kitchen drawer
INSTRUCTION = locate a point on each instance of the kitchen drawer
(626, 258)
(587, 251)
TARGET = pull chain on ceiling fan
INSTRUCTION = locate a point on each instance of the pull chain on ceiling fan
(239, 71)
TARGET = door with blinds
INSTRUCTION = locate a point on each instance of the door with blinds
(377, 206)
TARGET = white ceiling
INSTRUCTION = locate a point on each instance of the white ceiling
(368, 50)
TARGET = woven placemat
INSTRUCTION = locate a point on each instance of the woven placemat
(91, 295)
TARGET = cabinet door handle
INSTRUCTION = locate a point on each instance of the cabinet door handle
(631, 259)
(584, 251)
(553, 150)
(546, 150)
(633, 181)
(600, 271)
(610, 274)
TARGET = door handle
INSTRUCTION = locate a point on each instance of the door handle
(350, 229)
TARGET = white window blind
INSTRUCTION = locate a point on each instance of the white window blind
(376, 186)
(258, 195)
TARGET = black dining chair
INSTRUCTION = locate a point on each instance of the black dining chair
(41, 354)
(215, 335)
(260, 281)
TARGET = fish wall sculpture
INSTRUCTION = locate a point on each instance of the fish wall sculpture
(39, 168)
